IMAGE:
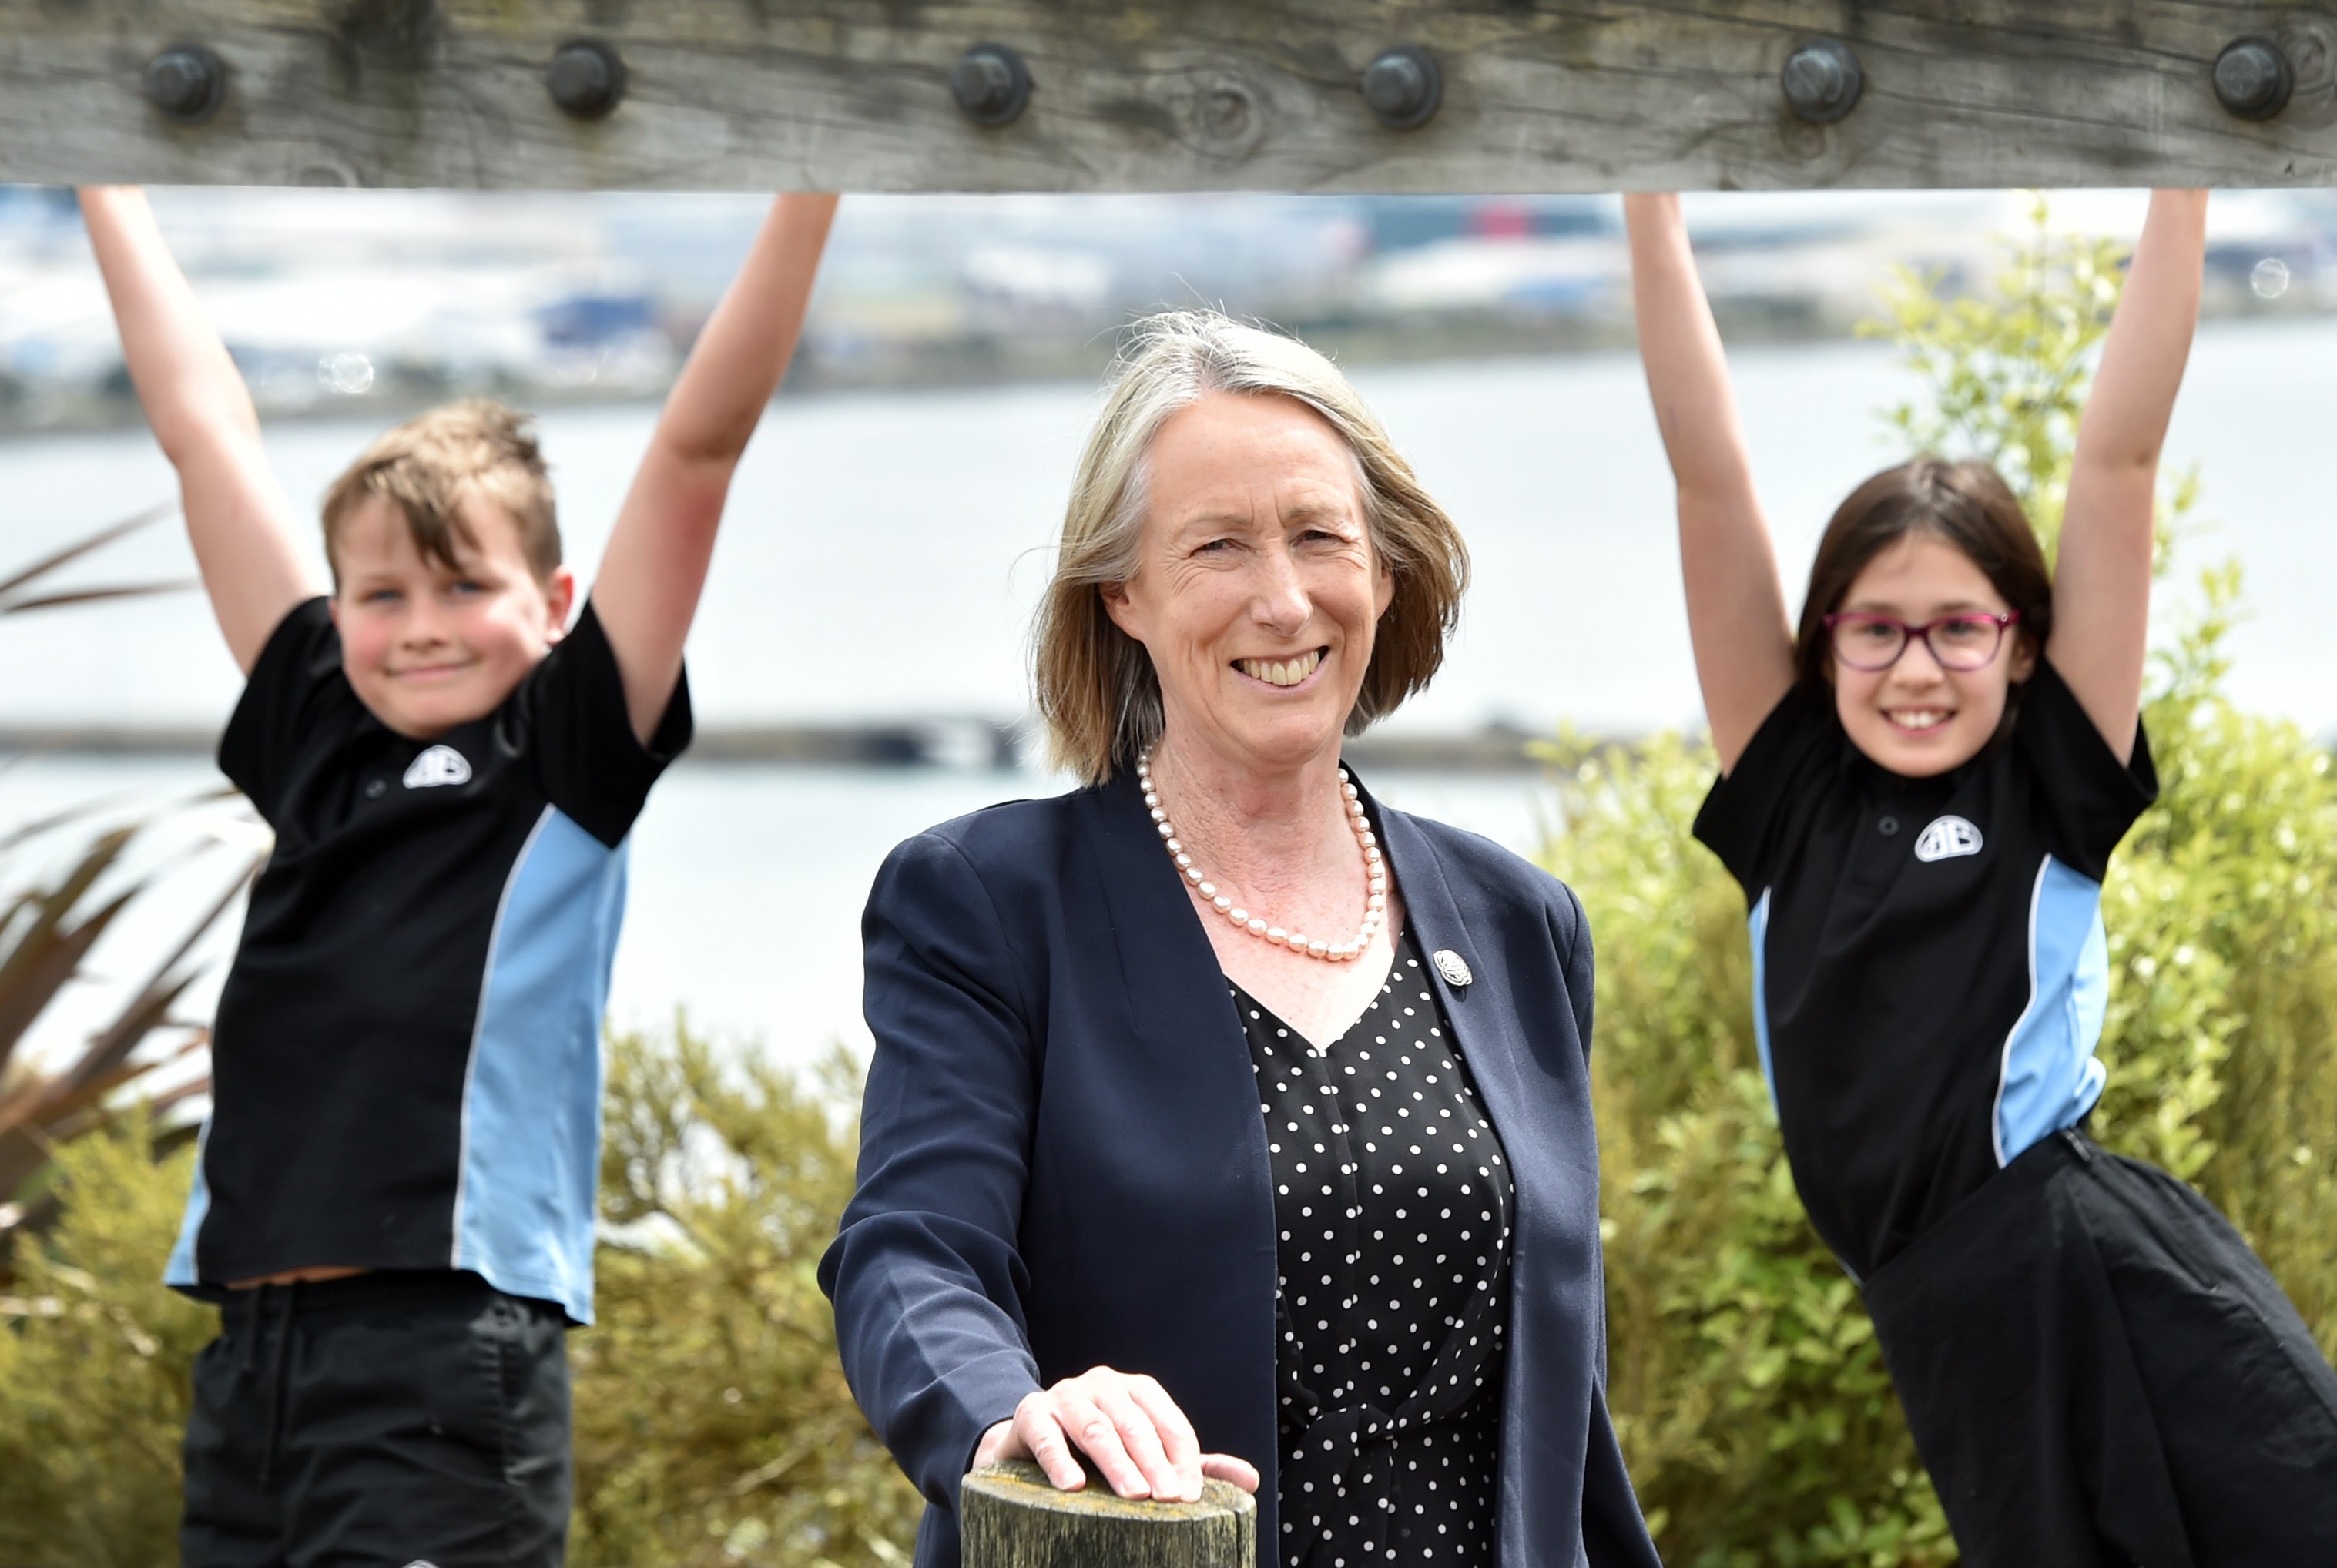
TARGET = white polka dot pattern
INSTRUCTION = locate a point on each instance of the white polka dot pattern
(1392, 1204)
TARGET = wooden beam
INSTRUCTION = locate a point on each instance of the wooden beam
(1162, 94)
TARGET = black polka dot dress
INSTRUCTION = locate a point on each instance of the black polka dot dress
(1392, 1204)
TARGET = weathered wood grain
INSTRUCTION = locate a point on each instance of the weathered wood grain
(1165, 94)
(1011, 1518)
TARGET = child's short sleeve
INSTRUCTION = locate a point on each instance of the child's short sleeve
(587, 758)
(2086, 799)
(296, 680)
(1792, 752)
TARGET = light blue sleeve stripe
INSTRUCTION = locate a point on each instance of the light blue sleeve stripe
(2051, 1077)
(1759, 922)
(524, 1204)
(180, 1269)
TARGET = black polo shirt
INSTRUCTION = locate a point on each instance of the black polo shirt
(1930, 970)
(406, 1064)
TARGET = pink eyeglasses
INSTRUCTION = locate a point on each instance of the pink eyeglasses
(1965, 641)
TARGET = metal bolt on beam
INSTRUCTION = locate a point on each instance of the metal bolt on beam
(187, 82)
(1402, 87)
(991, 84)
(586, 78)
(1822, 80)
(2254, 78)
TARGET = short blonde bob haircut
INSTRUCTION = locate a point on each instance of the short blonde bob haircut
(1097, 690)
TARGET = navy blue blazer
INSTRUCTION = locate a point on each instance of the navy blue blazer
(1062, 1164)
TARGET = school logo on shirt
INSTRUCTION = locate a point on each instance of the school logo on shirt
(1946, 838)
(441, 764)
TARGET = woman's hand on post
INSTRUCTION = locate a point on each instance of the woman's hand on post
(1124, 1422)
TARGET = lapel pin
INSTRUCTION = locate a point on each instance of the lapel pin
(1452, 966)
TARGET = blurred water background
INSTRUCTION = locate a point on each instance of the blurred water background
(890, 528)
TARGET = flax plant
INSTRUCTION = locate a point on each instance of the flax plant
(48, 926)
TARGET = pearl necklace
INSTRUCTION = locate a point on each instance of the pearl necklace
(1374, 872)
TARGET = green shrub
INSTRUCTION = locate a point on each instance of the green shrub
(94, 1354)
(1747, 1385)
(713, 1425)
(712, 1422)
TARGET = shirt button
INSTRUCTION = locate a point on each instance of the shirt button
(1889, 826)
(376, 790)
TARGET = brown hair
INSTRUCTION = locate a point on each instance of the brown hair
(435, 462)
(1097, 690)
(1965, 504)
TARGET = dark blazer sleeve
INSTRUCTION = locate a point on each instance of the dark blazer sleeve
(1614, 1532)
(1572, 932)
(925, 1277)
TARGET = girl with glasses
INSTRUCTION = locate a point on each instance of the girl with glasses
(1923, 781)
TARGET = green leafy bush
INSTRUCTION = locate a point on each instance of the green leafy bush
(94, 1354)
(713, 1425)
(1747, 1383)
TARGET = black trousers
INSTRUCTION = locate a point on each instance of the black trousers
(2099, 1373)
(383, 1420)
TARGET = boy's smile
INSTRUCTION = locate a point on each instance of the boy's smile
(427, 645)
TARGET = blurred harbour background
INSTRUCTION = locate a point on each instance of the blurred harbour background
(858, 664)
(336, 301)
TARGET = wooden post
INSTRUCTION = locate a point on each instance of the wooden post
(1010, 1517)
(1329, 95)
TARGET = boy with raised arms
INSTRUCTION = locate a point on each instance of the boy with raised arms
(393, 1204)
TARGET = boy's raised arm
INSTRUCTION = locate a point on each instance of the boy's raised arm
(1735, 605)
(242, 527)
(2101, 583)
(646, 592)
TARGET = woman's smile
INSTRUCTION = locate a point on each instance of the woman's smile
(1289, 672)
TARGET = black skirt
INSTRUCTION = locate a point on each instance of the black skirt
(2098, 1372)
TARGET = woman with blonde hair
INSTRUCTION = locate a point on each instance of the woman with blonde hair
(1222, 1122)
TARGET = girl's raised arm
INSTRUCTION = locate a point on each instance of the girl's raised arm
(2101, 585)
(1735, 605)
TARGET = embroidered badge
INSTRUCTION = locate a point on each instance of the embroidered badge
(441, 764)
(1946, 838)
(1452, 966)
